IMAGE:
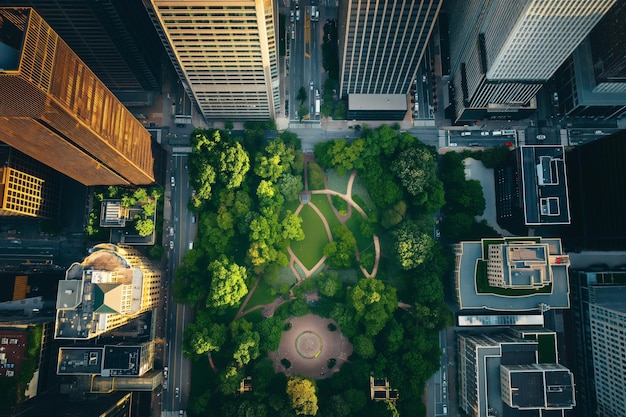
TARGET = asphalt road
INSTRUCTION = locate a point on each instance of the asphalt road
(178, 316)
(477, 138)
(305, 37)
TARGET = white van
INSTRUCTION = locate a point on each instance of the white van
(191, 245)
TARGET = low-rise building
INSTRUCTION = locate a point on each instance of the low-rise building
(512, 373)
(512, 274)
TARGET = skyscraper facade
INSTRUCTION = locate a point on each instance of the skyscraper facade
(382, 43)
(114, 38)
(592, 82)
(599, 305)
(27, 187)
(502, 52)
(225, 53)
(57, 111)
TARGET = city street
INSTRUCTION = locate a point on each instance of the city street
(178, 316)
(304, 59)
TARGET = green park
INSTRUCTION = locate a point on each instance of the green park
(313, 272)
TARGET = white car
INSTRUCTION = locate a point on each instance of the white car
(541, 137)
(171, 245)
(466, 133)
(453, 144)
(483, 133)
(177, 392)
(598, 132)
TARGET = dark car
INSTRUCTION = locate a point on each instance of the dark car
(473, 144)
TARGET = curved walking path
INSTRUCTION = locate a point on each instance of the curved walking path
(268, 309)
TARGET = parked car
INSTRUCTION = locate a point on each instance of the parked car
(541, 137)
(171, 245)
(598, 132)
(483, 133)
(311, 85)
(508, 143)
(473, 144)
(453, 144)
(466, 133)
(177, 392)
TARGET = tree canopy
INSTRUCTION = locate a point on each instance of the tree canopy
(302, 395)
(228, 283)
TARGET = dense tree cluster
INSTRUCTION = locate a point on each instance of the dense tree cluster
(465, 201)
(244, 231)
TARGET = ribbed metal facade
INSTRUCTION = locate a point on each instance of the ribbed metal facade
(503, 51)
(56, 110)
(381, 43)
(225, 51)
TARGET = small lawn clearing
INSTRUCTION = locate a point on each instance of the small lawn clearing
(309, 251)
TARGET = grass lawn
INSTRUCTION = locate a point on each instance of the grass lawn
(359, 190)
(286, 276)
(261, 295)
(291, 205)
(321, 202)
(337, 182)
(255, 316)
(353, 223)
(309, 251)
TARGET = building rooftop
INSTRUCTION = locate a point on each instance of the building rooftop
(469, 256)
(102, 292)
(112, 214)
(12, 351)
(107, 361)
(377, 102)
(544, 185)
(502, 375)
(538, 386)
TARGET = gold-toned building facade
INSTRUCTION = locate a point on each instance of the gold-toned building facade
(55, 110)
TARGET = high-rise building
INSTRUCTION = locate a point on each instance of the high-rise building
(592, 82)
(382, 43)
(27, 187)
(507, 373)
(532, 189)
(112, 286)
(114, 38)
(225, 53)
(55, 110)
(502, 52)
(596, 181)
(599, 304)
